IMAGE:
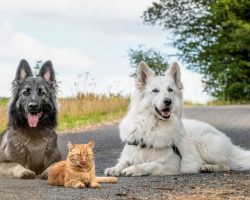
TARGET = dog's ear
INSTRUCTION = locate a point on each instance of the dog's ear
(23, 71)
(47, 72)
(143, 74)
(175, 72)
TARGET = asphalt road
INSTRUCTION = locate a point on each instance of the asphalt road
(233, 120)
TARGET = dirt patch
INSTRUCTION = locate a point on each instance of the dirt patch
(219, 189)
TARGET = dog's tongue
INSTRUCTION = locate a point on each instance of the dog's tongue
(165, 113)
(33, 120)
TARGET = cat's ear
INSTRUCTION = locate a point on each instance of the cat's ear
(70, 145)
(91, 143)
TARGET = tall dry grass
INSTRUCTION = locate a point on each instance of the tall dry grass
(3, 113)
(88, 109)
(80, 111)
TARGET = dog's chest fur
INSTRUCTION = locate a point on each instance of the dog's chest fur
(36, 147)
(154, 132)
(27, 148)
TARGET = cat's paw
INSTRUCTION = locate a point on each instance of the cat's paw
(113, 171)
(133, 171)
(79, 185)
(95, 185)
(24, 174)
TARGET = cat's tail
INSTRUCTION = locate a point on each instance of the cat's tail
(109, 179)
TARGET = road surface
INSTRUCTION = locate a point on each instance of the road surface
(233, 120)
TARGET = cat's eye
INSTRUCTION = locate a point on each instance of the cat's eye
(155, 90)
(170, 90)
(76, 156)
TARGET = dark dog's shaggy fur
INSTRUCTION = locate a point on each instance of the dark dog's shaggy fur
(29, 145)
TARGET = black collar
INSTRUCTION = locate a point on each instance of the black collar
(143, 145)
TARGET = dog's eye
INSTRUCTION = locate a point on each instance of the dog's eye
(170, 90)
(41, 92)
(26, 92)
(155, 90)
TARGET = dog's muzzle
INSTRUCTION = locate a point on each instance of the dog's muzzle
(164, 113)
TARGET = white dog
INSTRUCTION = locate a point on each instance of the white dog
(153, 129)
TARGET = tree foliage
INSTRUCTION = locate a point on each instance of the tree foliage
(213, 38)
(152, 57)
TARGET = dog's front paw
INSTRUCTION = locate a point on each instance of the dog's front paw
(207, 169)
(113, 171)
(24, 174)
(44, 175)
(133, 171)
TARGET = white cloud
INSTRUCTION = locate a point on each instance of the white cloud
(77, 10)
(16, 45)
(193, 89)
(7, 76)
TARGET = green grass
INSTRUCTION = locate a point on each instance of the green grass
(4, 101)
(90, 109)
(70, 123)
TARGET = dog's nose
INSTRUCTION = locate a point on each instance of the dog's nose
(33, 106)
(167, 101)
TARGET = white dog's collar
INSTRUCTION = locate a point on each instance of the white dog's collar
(143, 145)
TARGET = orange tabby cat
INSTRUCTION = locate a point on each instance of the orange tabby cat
(78, 170)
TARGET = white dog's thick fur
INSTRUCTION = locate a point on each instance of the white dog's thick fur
(153, 124)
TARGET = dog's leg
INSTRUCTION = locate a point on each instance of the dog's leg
(55, 157)
(51, 157)
(214, 168)
(190, 165)
(117, 169)
(15, 170)
(151, 168)
(191, 160)
(126, 159)
(44, 174)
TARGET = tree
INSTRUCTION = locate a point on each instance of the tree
(213, 38)
(152, 57)
(37, 66)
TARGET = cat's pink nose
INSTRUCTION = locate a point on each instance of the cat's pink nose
(83, 162)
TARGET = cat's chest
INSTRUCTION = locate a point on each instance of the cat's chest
(84, 177)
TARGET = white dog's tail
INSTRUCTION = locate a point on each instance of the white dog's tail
(240, 159)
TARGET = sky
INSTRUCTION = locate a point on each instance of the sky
(87, 41)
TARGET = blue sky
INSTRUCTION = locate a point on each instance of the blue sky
(82, 36)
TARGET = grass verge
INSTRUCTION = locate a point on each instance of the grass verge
(81, 111)
(90, 109)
